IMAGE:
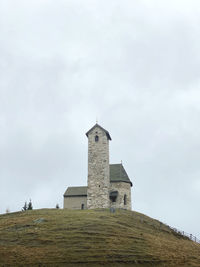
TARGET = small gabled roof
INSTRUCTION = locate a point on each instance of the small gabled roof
(118, 174)
(97, 125)
(79, 191)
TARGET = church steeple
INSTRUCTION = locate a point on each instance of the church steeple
(98, 167)
(97, 125)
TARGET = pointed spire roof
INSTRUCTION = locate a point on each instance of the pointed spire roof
(97, 125)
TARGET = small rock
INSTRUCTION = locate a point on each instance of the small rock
(40, 220)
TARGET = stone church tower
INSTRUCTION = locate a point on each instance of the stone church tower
(98, 168)
(108, 185)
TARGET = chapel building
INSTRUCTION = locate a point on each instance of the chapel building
(108, 184)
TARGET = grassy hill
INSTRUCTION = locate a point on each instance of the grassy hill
(51, 237)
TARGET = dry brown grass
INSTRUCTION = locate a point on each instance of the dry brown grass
(91, 238)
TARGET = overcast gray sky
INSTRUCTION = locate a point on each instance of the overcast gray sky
(135, 65)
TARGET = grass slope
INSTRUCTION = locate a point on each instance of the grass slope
(51, 237)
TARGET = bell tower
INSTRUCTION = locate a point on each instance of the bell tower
(98, 168)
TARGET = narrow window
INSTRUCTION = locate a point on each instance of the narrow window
(125, 199)
(96, 138)
(82, 206)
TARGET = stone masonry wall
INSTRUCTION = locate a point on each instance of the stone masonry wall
(123, 189)
(75, 203)
(98, 170)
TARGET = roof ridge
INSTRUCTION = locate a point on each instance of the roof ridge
(97, 125)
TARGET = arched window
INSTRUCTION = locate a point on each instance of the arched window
(125, 199)
(96, 138)
(113, 196)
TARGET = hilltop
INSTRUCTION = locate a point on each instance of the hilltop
(53, 237)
